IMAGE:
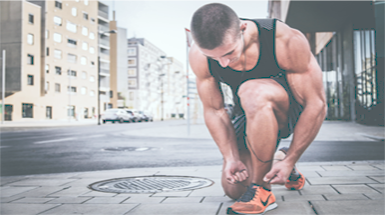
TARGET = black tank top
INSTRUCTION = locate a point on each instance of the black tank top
(266, 67)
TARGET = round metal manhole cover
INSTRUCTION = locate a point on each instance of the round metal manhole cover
(129, 149)
(150, 184)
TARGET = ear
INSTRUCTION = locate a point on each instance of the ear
(243, 26)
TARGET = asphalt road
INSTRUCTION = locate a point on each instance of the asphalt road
(88, 148)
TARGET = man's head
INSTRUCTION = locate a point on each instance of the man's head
(214, 23)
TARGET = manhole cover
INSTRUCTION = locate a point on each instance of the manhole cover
(150, 184)
(129, 149)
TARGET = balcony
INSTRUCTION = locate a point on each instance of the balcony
(104, 56)
(102, 28)
(103, 14)
(104, 42)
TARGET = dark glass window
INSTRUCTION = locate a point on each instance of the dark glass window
(30, 18)
(57, 88)
(30, 59)
(58, 70)
(30, 80)
(27, 110)
(58, 4)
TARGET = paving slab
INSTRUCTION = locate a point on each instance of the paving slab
(33, 200)
(351, 173)
(292, 208)
(380, 179)
(176, 200)
(374, 195)
(317, 189)
(110, 209)
(106, 200)
(10, 199)
(360, 167)
(42, 182)
(25, 209)
(95, 193)
(42, 191)
(217, 199)
(341, 180)
(144, 199)
(336, 168)
(292, 198)
(358, 207)
(71, 192)
(69, 200)
(358, 188)
(10, 179)
(379, 187)
(215, 190)
(348, 196)
(209, 208)
(11, 191)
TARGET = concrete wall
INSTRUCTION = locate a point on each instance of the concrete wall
(322, 38)
(113, 63)
(122, 75)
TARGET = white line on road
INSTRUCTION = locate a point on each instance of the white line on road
(52, 141)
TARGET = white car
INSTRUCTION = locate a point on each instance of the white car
(116, 115)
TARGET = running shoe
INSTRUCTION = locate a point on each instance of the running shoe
(296, 181)
(257, 200)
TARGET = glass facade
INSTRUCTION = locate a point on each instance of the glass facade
(336, 84)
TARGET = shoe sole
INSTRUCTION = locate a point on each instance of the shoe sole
(268, 208)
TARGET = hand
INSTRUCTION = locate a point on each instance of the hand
(279, 173)
(235, 172)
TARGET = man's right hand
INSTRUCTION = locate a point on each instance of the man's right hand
(235, 172)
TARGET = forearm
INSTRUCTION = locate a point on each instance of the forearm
(306, 129)
(222, 131)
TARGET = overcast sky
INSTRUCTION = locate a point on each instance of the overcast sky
(163, 22)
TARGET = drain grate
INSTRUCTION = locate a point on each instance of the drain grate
(150, 184)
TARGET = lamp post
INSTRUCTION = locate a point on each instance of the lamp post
(103, 33)
(161, 95)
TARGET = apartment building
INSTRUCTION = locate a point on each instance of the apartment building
(51, 52)
(146, 64)
(347, 39)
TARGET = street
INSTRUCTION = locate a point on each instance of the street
(107, 147)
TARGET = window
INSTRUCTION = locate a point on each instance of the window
(132, 72)
(57, 70)
(58, 4)
(57, 37)
(85, 2)
(132, 83)
(92, 36)
(132, 62)
(57, 87)
(48, 112)
(84, 75)
(111, 93)
(47, 51)
(27, 110)
(131, 51)
(30, 59)
(74, 11)
(92, 50)
(71, 89)
(46, 86)
(92, 78)
(30, 18)
(92, 93)
(71, 111)
(71, 43)
(92, 63)
(30, 80)
(71, 73)
(83, 61)
(85, 31)
(71, 58)
(92, 20)
(46, 68)
(30, 39)
(57, 54)
(57, 20)
(71, 27)
(83, 90)
(84, 46)
(85, 15)
(46, 34)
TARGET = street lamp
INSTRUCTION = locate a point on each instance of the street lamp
(161, 98)
(103, 33)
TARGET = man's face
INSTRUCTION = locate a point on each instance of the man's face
(229, 52)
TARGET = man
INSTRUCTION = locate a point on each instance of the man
(277, 88)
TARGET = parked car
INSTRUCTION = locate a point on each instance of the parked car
(147, 116)
(116, 115)
(137, 116)
(133, 118)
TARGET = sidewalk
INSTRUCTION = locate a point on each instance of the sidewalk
(331, 187)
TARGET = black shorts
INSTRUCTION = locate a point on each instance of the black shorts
(295, 110)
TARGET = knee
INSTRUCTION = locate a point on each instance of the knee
(233, 192)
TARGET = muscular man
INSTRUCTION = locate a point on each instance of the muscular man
(277, 88)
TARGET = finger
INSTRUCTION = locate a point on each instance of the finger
(231, 180)
(270, 175)
(236, 177)
(244, 175)
(240, 176)
(277, 180)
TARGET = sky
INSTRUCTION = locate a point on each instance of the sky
(163, 22)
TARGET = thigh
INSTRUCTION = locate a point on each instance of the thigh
(257, 93)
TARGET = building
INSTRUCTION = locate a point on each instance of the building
(347, 38)
(156, 83)
(51, 57)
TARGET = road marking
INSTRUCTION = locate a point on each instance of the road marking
(52, 141)
(99, 135)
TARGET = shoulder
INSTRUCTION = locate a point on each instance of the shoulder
(198, 63)
(292, 48)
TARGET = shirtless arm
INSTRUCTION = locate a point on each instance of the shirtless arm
(216, 118)
(304, 77)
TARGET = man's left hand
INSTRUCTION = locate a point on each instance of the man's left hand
(279, 173)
